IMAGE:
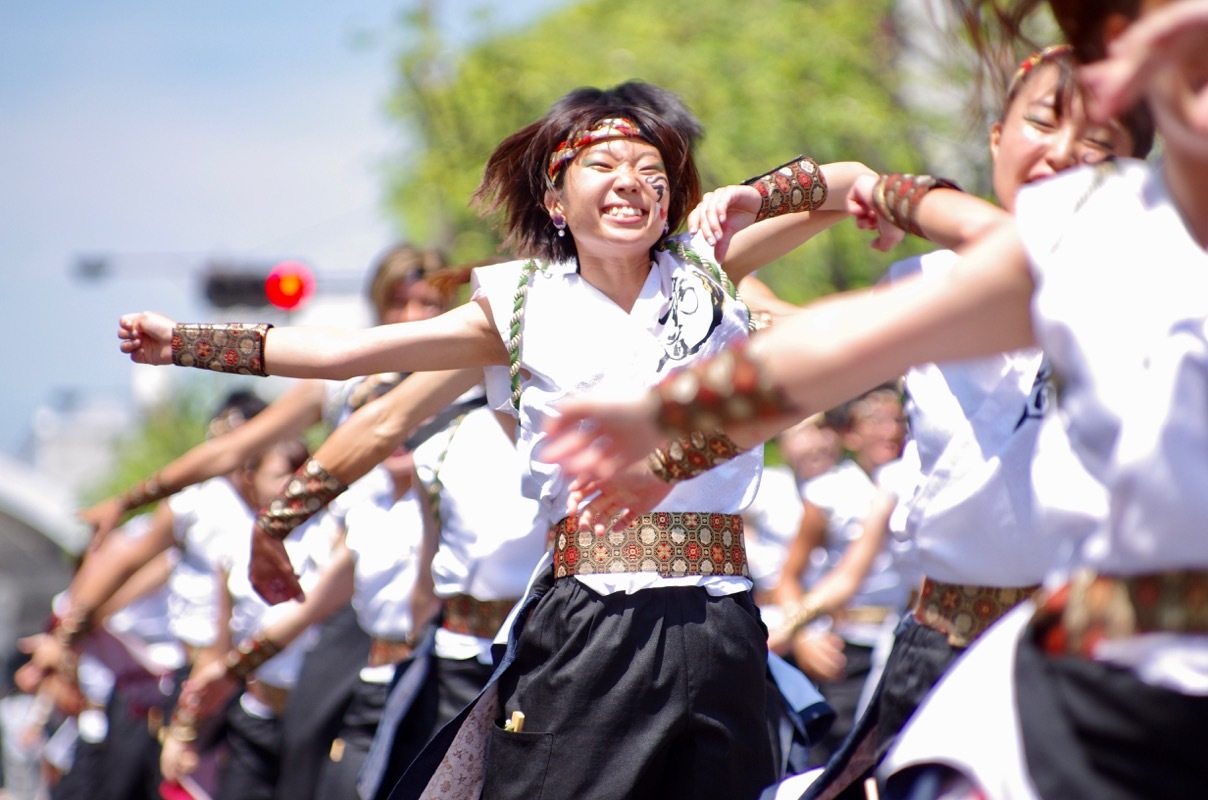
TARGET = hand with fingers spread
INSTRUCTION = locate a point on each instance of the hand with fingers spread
(594, 437)
(147, 337)
(612, 504)
(722, 213)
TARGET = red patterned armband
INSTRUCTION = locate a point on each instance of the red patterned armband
(896, 198)
(796, 185)
(249, 656)
(236, 347)
(722, 390)
(308, 492)
(692, 454)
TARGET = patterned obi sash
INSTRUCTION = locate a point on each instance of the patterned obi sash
(1092, 608)
(964, 612)
(389, 651)
(674, 544)
(474, 617)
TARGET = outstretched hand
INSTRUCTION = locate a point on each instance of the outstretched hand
(147, 337)
(861, 208)
(594, 438)
(270, 572)
(723, 213)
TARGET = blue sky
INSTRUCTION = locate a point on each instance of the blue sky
(160, 136)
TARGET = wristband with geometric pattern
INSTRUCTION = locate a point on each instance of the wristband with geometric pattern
(308, 492)
(236, 348)
(796, 185)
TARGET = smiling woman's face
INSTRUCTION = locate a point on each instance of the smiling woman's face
(1036, 138)
(614, 198)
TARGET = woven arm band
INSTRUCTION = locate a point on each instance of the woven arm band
(247, 657)
(896, 198)
(806, 611)
(691, 454)
(144, 492)
(308, 492)
(716, 392)
(796, 185)
(236, 347)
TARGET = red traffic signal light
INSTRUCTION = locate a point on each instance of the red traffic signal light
(289, 285)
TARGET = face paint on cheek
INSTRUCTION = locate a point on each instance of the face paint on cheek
(659, 184)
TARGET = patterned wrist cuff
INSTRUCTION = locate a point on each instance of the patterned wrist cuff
(896, 198)
(248, 657)
(144, 493)
(796, 185)
(691, 455)
(308, 492)
(236, 348)
(725, 389)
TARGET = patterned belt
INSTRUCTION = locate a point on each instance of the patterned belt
(388, 651)
(272, 696)
(964, 612)
(1092, 608)
(474, 617)
(673, 544)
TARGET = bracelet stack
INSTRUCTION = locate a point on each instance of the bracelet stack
(247, 658)
(691, 454)
(235, 348)
(896, 198)
(183, 727)
(729, 388)
(806, 611)
(796, 185)
(308, 492)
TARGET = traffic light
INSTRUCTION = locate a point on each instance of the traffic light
(227, 287)
(289, 285)
(286, 286)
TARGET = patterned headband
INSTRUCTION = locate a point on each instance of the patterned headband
(1039, 57)
(614, 128)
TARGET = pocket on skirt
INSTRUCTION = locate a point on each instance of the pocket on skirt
(517, 764)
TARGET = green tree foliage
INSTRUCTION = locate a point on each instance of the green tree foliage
(768, 78)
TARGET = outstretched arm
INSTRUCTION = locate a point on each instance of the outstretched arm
(748, 232)
(463, 337)
(360, 443)
(898, 204)
(295, 410)
(825, 354)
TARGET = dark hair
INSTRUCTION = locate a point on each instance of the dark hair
(843, 416)
(1137, 120)
(516, 178)
(1081, 21)
(237, 408)
(403, 262)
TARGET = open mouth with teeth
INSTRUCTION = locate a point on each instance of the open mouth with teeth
(624, 212)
